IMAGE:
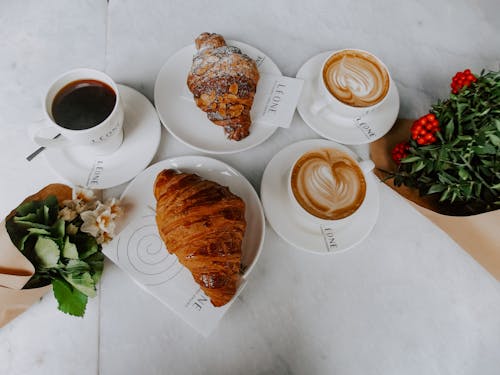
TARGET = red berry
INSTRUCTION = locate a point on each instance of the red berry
(400, 151)
(462, 79)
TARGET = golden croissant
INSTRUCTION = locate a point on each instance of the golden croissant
(223, 81)
(203, 224)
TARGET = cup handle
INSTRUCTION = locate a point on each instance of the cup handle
(366, 165)
(54, 141)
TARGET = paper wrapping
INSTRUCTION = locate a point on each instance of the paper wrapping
(478, 234)
(16, 269)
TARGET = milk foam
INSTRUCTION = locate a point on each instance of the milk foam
(328, 184)
(356, 78)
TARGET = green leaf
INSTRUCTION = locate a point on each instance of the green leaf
(69, 250)
(436, 188)
(83, 282)
(418, 166)
(464, 175)
(27, 208)
(87, 245)
(70, 300)
(495, 140)
(96, 263)
(448, 130)
(47, 252)
(58, 229)
(410, 159)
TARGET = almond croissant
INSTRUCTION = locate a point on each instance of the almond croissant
(223, 81)
(203, 224)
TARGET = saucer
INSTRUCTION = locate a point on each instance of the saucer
(141, 138)
(300, 231)
(139, 193)
(189, 124)
(351, 131)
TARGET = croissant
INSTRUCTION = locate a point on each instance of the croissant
(203, 224)
(223, 81)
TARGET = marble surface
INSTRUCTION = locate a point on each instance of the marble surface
(407, 300)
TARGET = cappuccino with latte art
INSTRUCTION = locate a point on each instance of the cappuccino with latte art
(356, 78)
(328, 184)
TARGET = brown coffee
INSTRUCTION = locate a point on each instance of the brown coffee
(356, 78)
(328, 184)
(83, 104)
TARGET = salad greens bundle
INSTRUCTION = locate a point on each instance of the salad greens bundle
(63, 255)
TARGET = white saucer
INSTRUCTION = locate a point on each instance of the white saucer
(344, 129)
(189, 124)
(141, 138)
(139, 193)
(299, 230)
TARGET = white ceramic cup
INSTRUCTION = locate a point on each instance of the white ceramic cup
(366, 167)
(104, 138)
(325, 103)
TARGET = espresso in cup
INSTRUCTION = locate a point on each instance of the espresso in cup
(83, 104)
(84, 107)
(328, 184)
(356, 78)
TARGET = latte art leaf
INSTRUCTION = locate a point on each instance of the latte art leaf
(356, 79)
(328, 184)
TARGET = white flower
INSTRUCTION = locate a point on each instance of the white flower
(89, 225)
(101, 222)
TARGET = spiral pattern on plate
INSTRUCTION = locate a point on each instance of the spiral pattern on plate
(148, 257)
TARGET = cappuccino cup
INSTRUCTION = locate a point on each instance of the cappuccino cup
(351, 83)
(83, 107)
(328, 185)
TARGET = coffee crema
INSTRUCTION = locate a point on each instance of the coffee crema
(328, 184)
(356, 78)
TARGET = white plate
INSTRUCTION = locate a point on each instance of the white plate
(139, 193)
(189, 124)
(341, 129)
(141, 138)
(297, 229)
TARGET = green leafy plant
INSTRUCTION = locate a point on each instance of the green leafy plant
(63, 255)
(458, 160)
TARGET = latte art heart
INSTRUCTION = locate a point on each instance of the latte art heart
(356, 78)
(328, 184)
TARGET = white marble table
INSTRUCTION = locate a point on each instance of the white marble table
(407, 300)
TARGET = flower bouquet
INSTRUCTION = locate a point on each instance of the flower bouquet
(447, 163)
(54, 240)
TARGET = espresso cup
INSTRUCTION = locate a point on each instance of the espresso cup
(83, 106)
(328, 185)
(351, 83)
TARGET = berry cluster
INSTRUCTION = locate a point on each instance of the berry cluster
(400, 151)
(462, 79)
(423, 130)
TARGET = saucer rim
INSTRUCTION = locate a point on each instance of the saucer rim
(52, 155)
(164, 123)
(237, 173)
(265, 198)
(311, 124)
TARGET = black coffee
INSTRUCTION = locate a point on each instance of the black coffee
(83, 104)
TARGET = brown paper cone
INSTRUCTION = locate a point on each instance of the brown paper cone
(478, 234)
(16, 269)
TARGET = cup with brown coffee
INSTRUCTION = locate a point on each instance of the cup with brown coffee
(351, 83)
(84, 107)
(328, 185)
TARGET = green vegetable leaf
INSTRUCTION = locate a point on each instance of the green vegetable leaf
(47, 252)
(69, 250)
(58, 229)
(82, 282)
(70, 300)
